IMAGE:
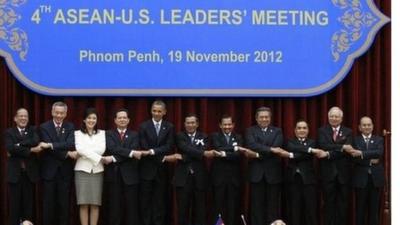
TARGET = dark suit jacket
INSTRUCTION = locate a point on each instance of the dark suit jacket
(374, 151)
(56, 158)
(226, 170)
(338, 162)
(120, 149)
(269, 164)
(162, 145)
(302, 162)
(18, 148)
(192, 154)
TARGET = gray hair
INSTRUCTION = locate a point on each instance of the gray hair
(61, 104)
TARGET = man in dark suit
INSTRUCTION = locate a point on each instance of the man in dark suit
(57, 164)
(368, 174)
(225, 171)
(191, 175)
(265, 168)
(335, 140)
(300, 177)
(156, 137)
(122, 175)
(22, 145)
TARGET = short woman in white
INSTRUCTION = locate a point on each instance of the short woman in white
(90, 143)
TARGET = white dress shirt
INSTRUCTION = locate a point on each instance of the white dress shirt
(90, 149)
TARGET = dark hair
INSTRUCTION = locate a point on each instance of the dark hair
(121, 110)
(263, 109)
(159, 102)
(299, 121)
(88, 112)
(192, 115)
(226, 116)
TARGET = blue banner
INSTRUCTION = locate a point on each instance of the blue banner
(185, 48)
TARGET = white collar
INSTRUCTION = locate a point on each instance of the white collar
(365, 137)
(192, 135)
(21, 129)
(155, 122)
(121, 131)
(55, 124)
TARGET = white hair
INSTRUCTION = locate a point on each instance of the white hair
(335, 109)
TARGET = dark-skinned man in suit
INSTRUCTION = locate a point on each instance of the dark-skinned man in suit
(156, 137)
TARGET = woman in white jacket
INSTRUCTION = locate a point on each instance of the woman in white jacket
(90, 143)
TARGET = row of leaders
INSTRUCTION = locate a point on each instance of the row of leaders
(134, 165)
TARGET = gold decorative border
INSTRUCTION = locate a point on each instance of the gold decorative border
(15, 38)
(354, 20)
(208, 92)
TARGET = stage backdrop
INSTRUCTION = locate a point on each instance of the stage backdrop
(366, 91)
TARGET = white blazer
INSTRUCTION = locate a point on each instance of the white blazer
(90, 149)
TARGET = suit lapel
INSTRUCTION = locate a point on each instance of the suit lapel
(17, 134)
(53, 130)
(329, 130)
(162, 130)
(152, 129)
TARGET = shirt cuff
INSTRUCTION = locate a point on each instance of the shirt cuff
(152, 152)
(257, 155)
(310, 150)
(291, 155)
(235, 148)
(131, 154)
(113, 159)
(51, 146)
(223, 153)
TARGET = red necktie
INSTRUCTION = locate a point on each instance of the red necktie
(334, 136)
(121, 135)
(22, 162)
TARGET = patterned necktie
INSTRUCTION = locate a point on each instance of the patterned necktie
(264, 131)
(367, 142)
(121, 135)
(58, 129)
